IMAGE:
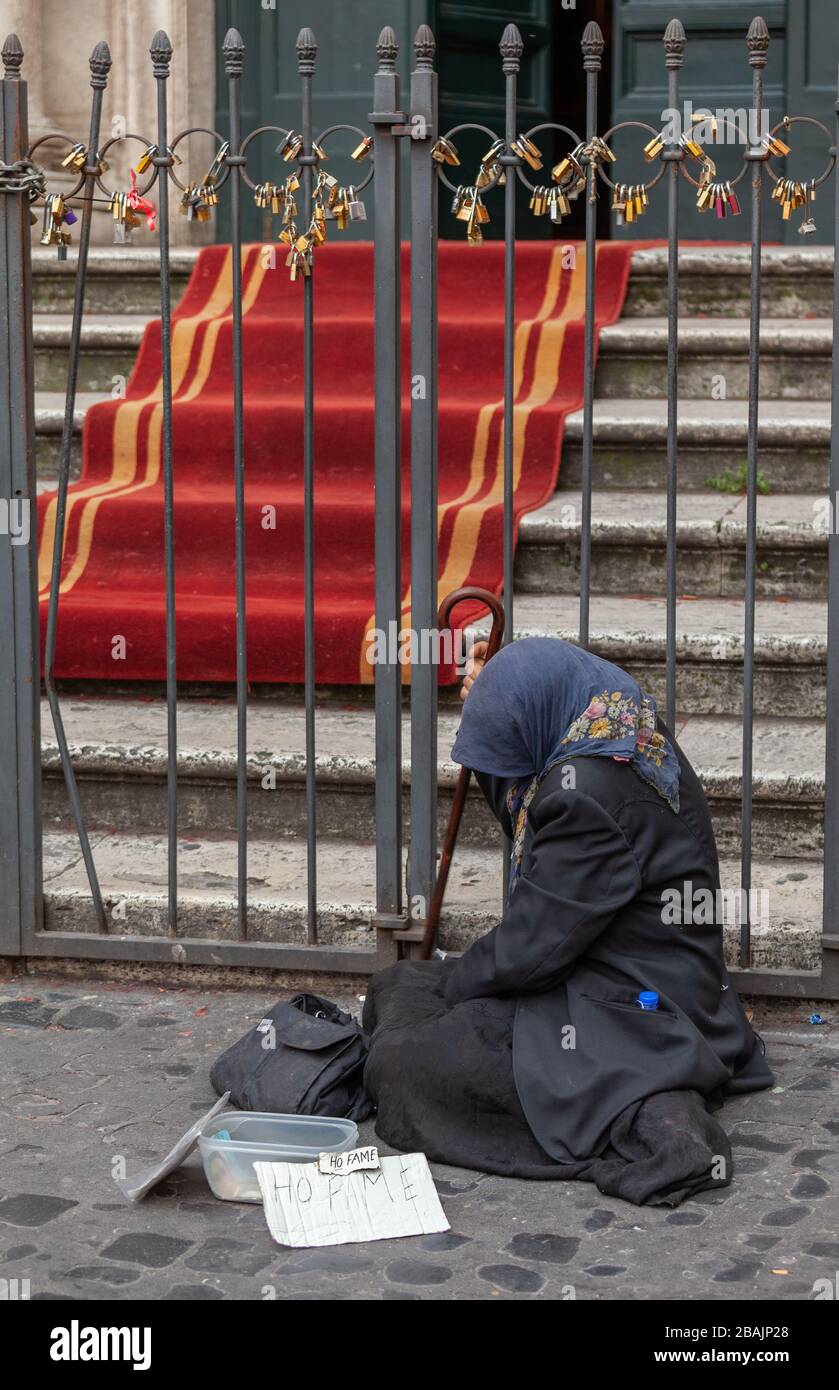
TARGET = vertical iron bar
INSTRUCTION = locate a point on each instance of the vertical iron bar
(234, 50)
(306, 55)
(423, 473)
(161, 56)
(674, 47)
(388, 484)
(21, 896)
(100, 66)
(830, 956)
(757, 43)
(511, 48)
(592, 46)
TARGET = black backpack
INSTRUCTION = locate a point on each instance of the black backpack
(305, 1057)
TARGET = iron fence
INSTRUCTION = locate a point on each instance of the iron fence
(510, 159)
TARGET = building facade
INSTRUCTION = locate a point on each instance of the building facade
(800, 77)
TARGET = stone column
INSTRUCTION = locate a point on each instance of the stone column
(57, 39)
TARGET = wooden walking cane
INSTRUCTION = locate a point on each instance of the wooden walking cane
(496, 635)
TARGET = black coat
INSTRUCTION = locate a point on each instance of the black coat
(585, 931)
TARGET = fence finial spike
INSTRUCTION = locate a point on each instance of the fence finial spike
(424, 47)
(674, 43)
(160, 50)
(307, 51)
(757, 41)
(386, 49)
(100, 64)
(12, 57)
(233, 51)
(592, 44)
(511, 48)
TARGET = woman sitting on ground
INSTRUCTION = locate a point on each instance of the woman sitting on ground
(531, 1054)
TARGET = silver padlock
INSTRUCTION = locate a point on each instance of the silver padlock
(358, 212)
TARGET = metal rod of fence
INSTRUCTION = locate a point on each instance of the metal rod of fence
(674, 47)
(830, 933)
(234, 51)
(306, 55)
(21, 896)
(161, 56)
(100, 66)
(511, 48)
(592, 46)
(423, 473)
(757, 43)
(388, 479)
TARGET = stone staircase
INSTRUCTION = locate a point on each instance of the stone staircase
(119, 736)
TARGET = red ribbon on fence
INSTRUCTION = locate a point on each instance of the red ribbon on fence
(138, 203)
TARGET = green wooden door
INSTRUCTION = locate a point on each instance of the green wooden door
(716, 74)
(800, 80)
(813, 54)
(472, 89)
(551, 87)
(551, 84)
(346, 34)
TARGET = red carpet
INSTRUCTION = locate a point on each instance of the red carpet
(113, 579)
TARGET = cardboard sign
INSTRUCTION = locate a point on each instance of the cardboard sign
(305, 1207)
(350, 1161)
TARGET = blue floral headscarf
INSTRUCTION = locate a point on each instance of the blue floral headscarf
(540, 701)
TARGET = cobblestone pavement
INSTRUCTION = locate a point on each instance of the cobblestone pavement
(89, 1072)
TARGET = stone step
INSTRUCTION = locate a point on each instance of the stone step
(632, 356)
(628, 540)
(795, 358)
(109, 346)
(119, 752)
(785, 912)
(120, 280)
(790, 647)
(49, 424)
(630, 439)
(796, 282)
(630, 445)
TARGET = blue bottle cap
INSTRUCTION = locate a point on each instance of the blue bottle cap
(222, 1134)
(648, 999)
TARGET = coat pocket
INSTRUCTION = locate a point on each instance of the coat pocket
(631, 1006)
(639, 1046)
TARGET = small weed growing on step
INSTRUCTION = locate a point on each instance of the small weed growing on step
(735, 480)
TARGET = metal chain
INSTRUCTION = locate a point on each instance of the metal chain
(22, 177)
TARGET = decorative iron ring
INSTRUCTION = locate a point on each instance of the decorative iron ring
(621, 125)
(546, 125)
(59, 135)
(807, 120)
(356, 130)
(260, 130)
(467, 125)
(147, 144)
(729, 182)
(198, 130)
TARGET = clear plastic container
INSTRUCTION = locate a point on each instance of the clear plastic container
(260, 1137)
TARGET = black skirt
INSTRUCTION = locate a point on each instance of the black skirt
(442, 1077)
